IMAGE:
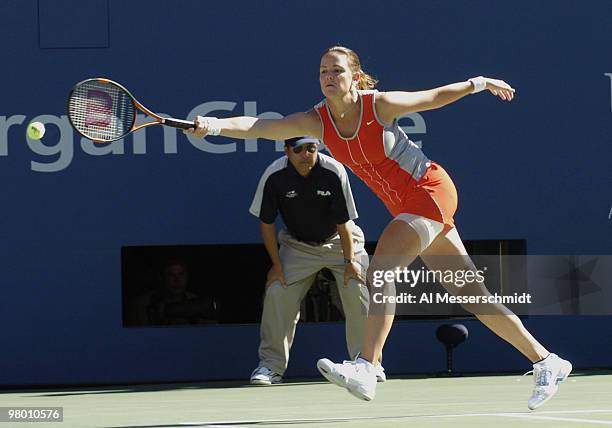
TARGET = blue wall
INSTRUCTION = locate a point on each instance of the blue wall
(537, 168)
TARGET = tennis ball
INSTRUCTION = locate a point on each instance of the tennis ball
(36, 130)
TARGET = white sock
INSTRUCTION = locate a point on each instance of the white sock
(366, 362)
(544, 359)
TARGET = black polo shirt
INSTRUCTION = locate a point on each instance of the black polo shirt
(311, 207)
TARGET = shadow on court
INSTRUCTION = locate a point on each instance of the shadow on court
(63, 391)
(59, 391)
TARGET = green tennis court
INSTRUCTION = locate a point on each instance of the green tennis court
(585, 399)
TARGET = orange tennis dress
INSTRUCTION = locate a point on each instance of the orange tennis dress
(394, 167)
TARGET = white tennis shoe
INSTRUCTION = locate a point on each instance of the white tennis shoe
(381, 376)
(358, 377)
(265, 376)
(547, 375)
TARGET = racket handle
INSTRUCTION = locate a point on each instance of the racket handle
(178, 123)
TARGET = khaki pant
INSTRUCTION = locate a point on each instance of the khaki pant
(281, 310)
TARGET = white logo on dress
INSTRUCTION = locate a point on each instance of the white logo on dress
(291, 194)
(323, 193)
(369, 123)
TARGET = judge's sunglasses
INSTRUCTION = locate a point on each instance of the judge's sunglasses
(310, 148)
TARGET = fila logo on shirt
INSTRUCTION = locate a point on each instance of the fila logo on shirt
(610, 76)
(291, 194)
(323, 193)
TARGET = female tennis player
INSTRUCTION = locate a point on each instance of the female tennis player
(360, 128)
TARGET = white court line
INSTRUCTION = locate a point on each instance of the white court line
(573, 411)
(538, 412)
(553, 418)
(525, 415)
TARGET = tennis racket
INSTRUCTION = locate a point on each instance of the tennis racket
(105, 111)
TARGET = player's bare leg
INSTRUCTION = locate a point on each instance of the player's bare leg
(448, 253)
(398, 246)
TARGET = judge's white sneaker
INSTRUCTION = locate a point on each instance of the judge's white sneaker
(265, 376)
(547, 375)
(358, 377)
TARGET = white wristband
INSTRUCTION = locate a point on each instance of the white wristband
(480, 84)
(214, 126)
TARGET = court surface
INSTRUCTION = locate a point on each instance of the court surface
(584, 400)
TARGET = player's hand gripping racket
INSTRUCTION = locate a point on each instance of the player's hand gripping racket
(104, 111)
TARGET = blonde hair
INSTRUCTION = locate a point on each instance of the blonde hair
(365, 80)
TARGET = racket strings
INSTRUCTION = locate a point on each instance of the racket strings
(101, 111)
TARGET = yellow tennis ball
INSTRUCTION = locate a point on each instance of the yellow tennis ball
(36, 130)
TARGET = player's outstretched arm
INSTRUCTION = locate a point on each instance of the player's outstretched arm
(391, 105)
(246, 127)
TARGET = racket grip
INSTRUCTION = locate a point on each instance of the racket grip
(178, 123)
